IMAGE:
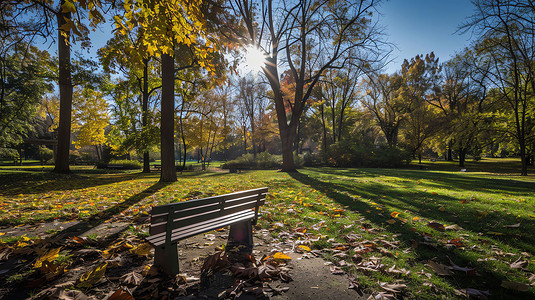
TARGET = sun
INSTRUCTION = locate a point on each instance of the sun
(253, 59)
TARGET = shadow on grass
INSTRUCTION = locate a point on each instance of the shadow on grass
(97, 219)
(491, 278)
(451, 181)
(34, 182)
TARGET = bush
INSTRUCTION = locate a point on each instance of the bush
(127, 164)
(352, 154)
(263, 161)
(45, 154)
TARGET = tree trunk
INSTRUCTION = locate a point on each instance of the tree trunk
(99, 159)
(324, 127)
(145, 108)
(449, 156)
(524, 160)
(65, 96)
(462, 157)
(168, 173)
(287, 134)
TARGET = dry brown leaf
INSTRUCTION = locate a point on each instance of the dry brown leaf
(514, 285)
(439, 269)
(121, 294)
(354, 284)
(336, 270)
(394, 288)
(4, 254)
(453, 227)
(132, 278)
(519, 264)
(72, 295)
(473, 294)
(436, 226)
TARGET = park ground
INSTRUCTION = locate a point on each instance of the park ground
(428, 231)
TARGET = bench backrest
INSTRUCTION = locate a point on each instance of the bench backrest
(165, 218)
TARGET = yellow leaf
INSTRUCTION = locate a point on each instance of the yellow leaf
(49, 256)
(395, 214)
(304, 247)
(281, 256)
(141, 250)
(2, 233)
(92, 277)
(415, 219)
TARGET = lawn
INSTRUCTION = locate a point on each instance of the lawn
(432, 231)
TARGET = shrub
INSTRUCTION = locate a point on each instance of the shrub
(263, 161)
(127, 164)
(349, 153)
(46, 154)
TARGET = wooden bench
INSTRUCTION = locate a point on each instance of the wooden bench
(173, 222)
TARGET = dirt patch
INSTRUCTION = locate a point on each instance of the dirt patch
(312, 279)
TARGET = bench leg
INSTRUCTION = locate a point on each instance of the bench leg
(240, 241)
(166, 258)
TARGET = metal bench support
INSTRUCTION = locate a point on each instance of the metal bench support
(240, 241)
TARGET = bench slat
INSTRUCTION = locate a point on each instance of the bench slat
(157, 228)
(189, 231)
(159, 222)
(196, 202)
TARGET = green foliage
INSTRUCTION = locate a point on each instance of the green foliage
(263, 161)
(24, 71)
(126, 164)
(45, 154)
(351, 153)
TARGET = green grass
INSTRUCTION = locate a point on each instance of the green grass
(330, 204)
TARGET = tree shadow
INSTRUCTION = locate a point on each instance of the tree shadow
(349, 196)
(38, 182)
(97, 219)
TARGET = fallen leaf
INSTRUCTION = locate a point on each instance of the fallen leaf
(442, 208)
(415, 218)
(436, 226)
(383, 296)
(518, 264)
(132, 278)
(439, 269)
(394, 288)
(49, 256)
(391, 221)
(354, 284)
(473, 294)
(92, 277)
(121, 294)
(281, 256)
(395, 214)
(517, 225)
(303, 247)
(453, 227)
(336, 270)
(514, 285)
(142, 250)
(72, 295)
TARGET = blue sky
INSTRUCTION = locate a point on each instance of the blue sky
(422, 26)
(414, 26)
